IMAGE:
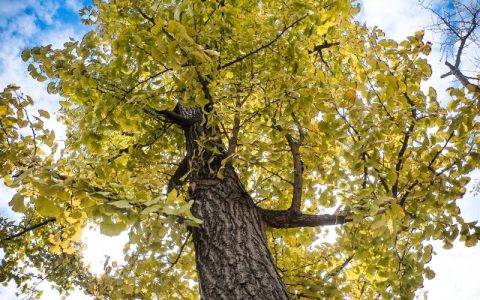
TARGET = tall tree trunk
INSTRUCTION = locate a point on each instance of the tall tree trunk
(232, 257)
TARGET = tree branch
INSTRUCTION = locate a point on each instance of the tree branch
(176, 179)
(324, 45)
(242, 57)
(460, 76)
(294, 145)
(27, 229)
(180, 252)
(172, 117)
(285, 219)
(297, 167)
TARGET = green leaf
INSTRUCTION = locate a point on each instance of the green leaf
(25, 54)
(151, 209)
(46, 207)
(17, 203)
(112, 229)
(120, 204)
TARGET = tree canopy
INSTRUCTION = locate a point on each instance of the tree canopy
(325, 120)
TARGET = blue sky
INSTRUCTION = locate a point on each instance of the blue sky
(29, 23)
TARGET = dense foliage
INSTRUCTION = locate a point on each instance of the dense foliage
(313, 109)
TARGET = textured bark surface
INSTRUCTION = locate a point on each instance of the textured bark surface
(232, 257)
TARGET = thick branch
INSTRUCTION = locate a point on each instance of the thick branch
(401, 152)
(285, 219)
(172, 117)
(294, 145)
(297, 167)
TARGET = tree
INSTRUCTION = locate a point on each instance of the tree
(223, 136)
(459, 22)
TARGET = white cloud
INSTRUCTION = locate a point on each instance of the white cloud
(73, 5)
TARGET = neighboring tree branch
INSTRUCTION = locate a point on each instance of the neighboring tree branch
(460, 76)
(461, 22)
(27, 229)
(285, 219)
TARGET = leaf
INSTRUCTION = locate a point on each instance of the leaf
(172, 196)
(397, 211)
(46, 207)
(120, 204)
(351, 95)
(44, 113)
(379, 223)
(391, 176)
(3, 110)
(17, 203)
(122, 160)
(229, 74)
(51, 88)
(112, 229)
(471, 241)
(25, 54)
(429, 273)
(447, 245)
(151, 209)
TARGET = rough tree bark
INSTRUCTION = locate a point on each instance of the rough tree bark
(232, 256)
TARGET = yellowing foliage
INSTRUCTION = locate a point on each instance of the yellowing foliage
(376, 146)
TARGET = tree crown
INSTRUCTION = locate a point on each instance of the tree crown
(316, 112)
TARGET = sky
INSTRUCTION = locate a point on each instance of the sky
(27, 23)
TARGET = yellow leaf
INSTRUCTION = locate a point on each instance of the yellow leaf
(229, 75)
(17, 203)
(44, 113)
(3, 110)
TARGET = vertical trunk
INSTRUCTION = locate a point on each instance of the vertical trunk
(232, 257)
(233, 261)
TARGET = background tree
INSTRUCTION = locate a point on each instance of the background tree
(222, 136)
(459, 23)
